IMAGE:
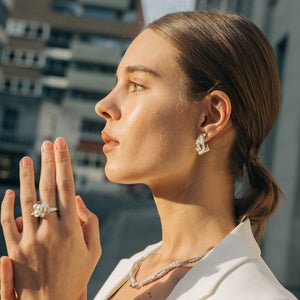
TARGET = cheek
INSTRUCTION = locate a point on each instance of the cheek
(154, 135)
(154, 140)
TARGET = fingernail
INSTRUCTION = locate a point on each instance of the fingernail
(9, 193)
(26, 161)
(47, 146)
(60, 144)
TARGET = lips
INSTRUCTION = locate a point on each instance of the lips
(110, 142)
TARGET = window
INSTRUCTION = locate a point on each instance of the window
(98, 163)
(84, 95)
(83, 161)
(67, 7)
(10, 120)
(9, 162)
(21, 86)
(53, 93)
(39, 31)
(100, 40)
(11, 55)
(281, 51)
(95, 67)
(90, 126)
(96, 12)
(60, 38)
(23, 58)
(27, 29)
(55, 67)
(3, 14)
(7, 85)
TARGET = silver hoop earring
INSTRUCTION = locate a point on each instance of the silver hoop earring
(201, 147)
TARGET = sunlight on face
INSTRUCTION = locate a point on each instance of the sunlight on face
(153, 127)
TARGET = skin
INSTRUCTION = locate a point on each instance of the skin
(156, 126)
(43, 269)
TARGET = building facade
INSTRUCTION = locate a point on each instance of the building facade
(60, 58)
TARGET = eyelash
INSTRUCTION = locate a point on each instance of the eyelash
(135, 86)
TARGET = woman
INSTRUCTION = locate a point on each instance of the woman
(197, 93)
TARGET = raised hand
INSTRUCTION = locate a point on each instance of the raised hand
(53, 256)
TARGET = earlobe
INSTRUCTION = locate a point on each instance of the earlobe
(217, 114)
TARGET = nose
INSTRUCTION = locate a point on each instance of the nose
(108, 108)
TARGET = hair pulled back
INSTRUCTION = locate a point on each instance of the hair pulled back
(226, 52)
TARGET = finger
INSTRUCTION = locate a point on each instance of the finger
(90, 226)
(7, 281)
(27, 194)
(65, 181)
(8, 220)
(19, 224)
(47, 180)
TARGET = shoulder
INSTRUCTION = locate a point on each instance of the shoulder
(251, 280)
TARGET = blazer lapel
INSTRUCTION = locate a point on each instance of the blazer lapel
(235, 249)
(203, 279)
(120, 273)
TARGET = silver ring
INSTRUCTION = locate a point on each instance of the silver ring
(42, 210)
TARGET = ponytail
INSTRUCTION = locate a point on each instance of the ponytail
(262, 198)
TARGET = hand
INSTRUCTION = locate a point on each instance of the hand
(54, 256)
(7, 290)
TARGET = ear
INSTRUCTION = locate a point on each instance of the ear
(216, 115)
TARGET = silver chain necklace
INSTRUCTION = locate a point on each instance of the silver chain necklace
(159, 274)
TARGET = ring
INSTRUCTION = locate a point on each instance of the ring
(42, 210)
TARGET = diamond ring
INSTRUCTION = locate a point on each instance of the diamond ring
(42, 210)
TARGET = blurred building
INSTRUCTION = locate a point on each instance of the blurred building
(5, 6)
(59, 60)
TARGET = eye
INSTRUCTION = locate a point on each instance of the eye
(135, 87)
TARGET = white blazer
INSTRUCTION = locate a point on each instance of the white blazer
(233, 270)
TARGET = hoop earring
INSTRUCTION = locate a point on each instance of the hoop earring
(201, 147)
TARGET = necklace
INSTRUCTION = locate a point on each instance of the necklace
(159, 274)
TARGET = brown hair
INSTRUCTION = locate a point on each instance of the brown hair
(226, 52)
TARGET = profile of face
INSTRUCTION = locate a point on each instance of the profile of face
(151, 127)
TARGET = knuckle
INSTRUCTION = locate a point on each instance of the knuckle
(62, 158)
(70, 229)
(47, 189)
(27, 200)
(26, 174)
(66, 185)
(5, 221)
(48, 160)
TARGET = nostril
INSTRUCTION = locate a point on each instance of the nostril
(106, 115)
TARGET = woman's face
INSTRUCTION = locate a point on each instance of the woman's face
(153, 126)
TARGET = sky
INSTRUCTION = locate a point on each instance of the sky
(153, 9)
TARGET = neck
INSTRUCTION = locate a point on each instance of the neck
(195, 215)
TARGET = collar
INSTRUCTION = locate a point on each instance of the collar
(238, 247)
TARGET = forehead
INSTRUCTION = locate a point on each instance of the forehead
(151, 50)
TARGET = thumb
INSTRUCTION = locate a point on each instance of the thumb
(7, 279)
(90, 226)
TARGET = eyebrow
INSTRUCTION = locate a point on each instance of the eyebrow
(140, 68)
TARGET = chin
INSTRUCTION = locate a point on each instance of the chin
(118, 175)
